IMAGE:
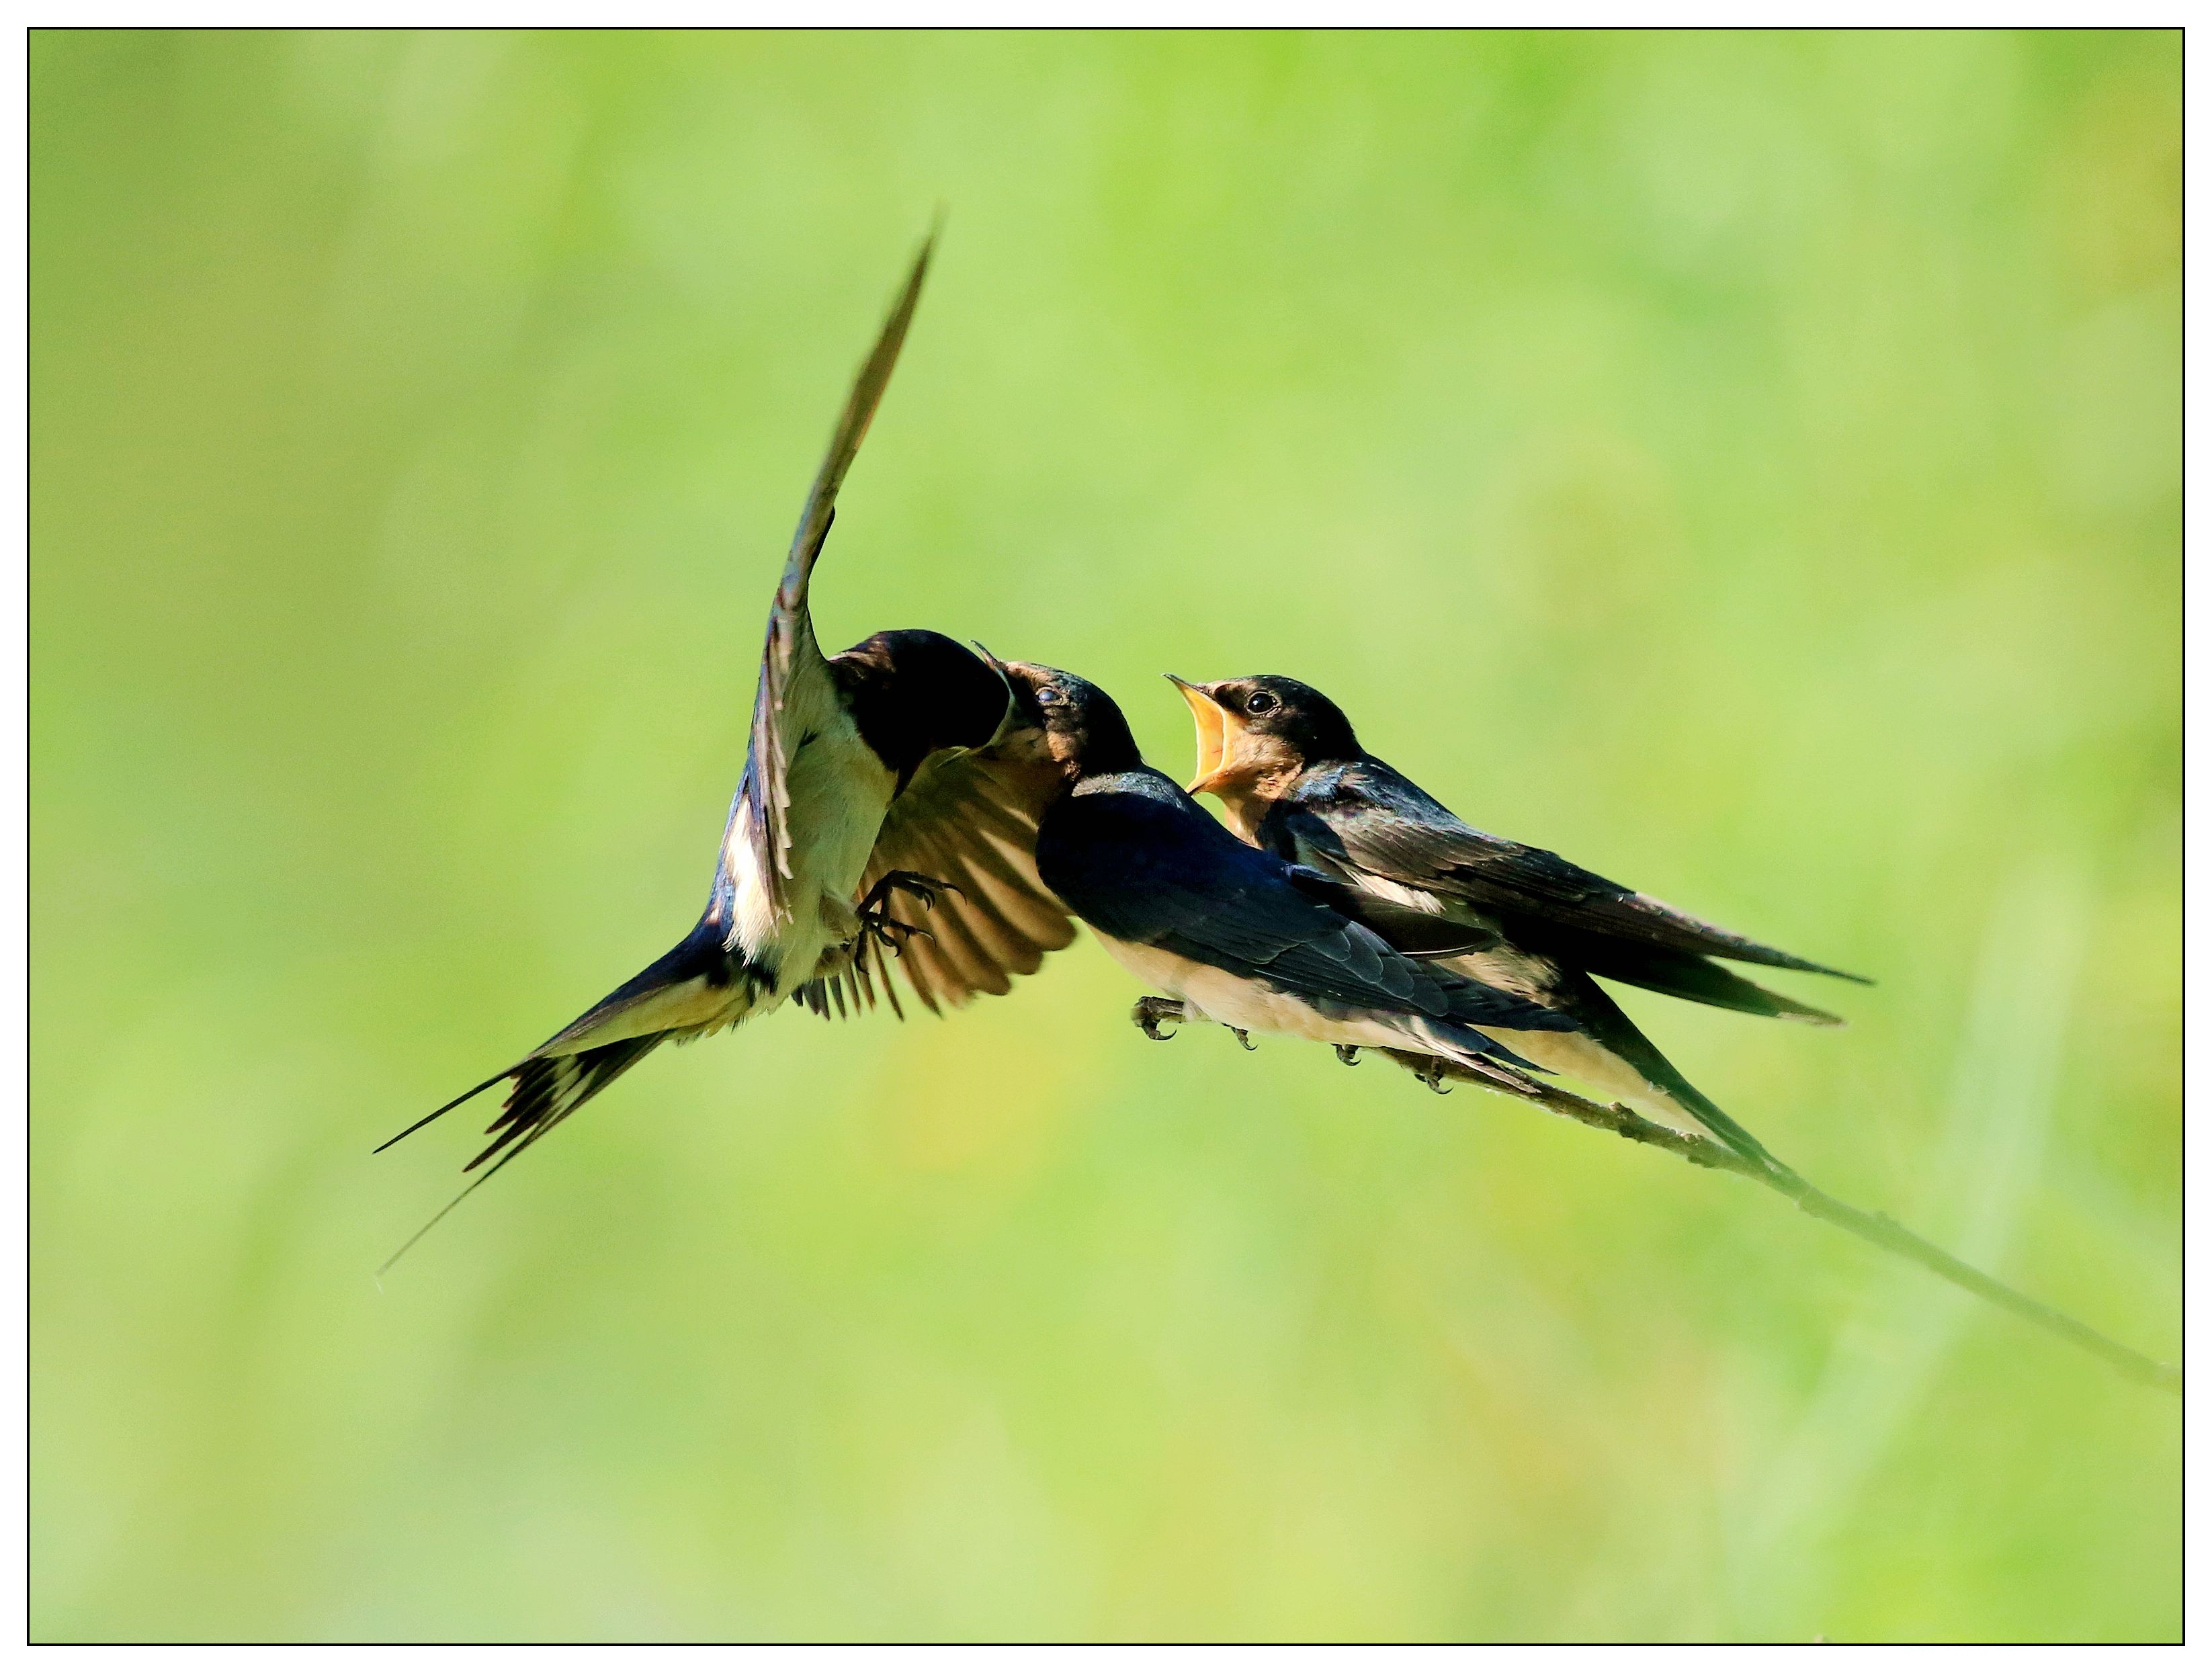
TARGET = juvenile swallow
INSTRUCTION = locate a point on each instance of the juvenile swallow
(1229, 934)
(902, 765)
(1293, 780)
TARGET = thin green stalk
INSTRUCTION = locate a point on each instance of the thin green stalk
(1877, 1229)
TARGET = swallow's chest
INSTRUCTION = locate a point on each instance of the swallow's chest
(1244, 813)
(1214, 994)
(837, 791)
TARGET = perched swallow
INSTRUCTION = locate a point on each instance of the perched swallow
(1287, 767)
(1229, 934)
(901, 764)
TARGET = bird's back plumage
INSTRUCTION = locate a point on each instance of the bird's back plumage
(1136, 858)
(1551, 925)
(1369, 819)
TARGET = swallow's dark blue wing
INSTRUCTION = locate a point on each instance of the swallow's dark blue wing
(795, 688)
(1369, 818)
(1138, 860)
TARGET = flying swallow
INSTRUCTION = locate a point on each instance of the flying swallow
(1290, 772)
(902, 765)
(1229, 934)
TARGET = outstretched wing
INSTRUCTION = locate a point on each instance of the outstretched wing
(795, 693)
(970, 819)
(1371, 820)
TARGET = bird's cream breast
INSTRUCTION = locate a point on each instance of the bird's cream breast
(838, 794)
(1242, 810)
(1215, 995)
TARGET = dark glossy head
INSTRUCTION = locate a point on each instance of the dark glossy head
(1262, 725)
(914, 692)
(1084, 729)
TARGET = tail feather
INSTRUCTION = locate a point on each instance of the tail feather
(1683, 975)
(452, 1104)
(1609, 1026)
(1641, 920)
(696, 986)
(685, 991)
(1462, 1044)
(1719, 1123)
(547, 1091)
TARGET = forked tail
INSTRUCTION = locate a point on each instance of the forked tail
(547, 1091)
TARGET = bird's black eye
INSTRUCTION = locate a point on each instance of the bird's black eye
(1262, 702)
(1050, 696)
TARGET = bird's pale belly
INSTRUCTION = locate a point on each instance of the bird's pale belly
(1215, 995)
(1584, 1058)
(838, 791)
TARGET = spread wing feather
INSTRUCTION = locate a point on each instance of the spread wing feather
(794, 677)
(968, 819)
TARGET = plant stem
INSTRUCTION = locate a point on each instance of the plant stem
(1877, 1229)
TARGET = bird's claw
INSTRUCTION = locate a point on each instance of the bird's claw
(874, 910)
(923, 888)
(877, 924)
(1348, 1055)
(1150, 1011)
(887, 930)
(1243, 1039)
(1433, 1077)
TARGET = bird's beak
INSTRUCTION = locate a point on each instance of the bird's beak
(1218, 733)
(1007, 720)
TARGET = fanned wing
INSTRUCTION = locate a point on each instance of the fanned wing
(1373, 820)
(794, 678)
(971, 819)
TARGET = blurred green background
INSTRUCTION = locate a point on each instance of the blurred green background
(1748, 464)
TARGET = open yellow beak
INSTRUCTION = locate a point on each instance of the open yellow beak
(1218, 733)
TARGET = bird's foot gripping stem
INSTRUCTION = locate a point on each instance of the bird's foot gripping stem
(1150, 1011)
(874, 910)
